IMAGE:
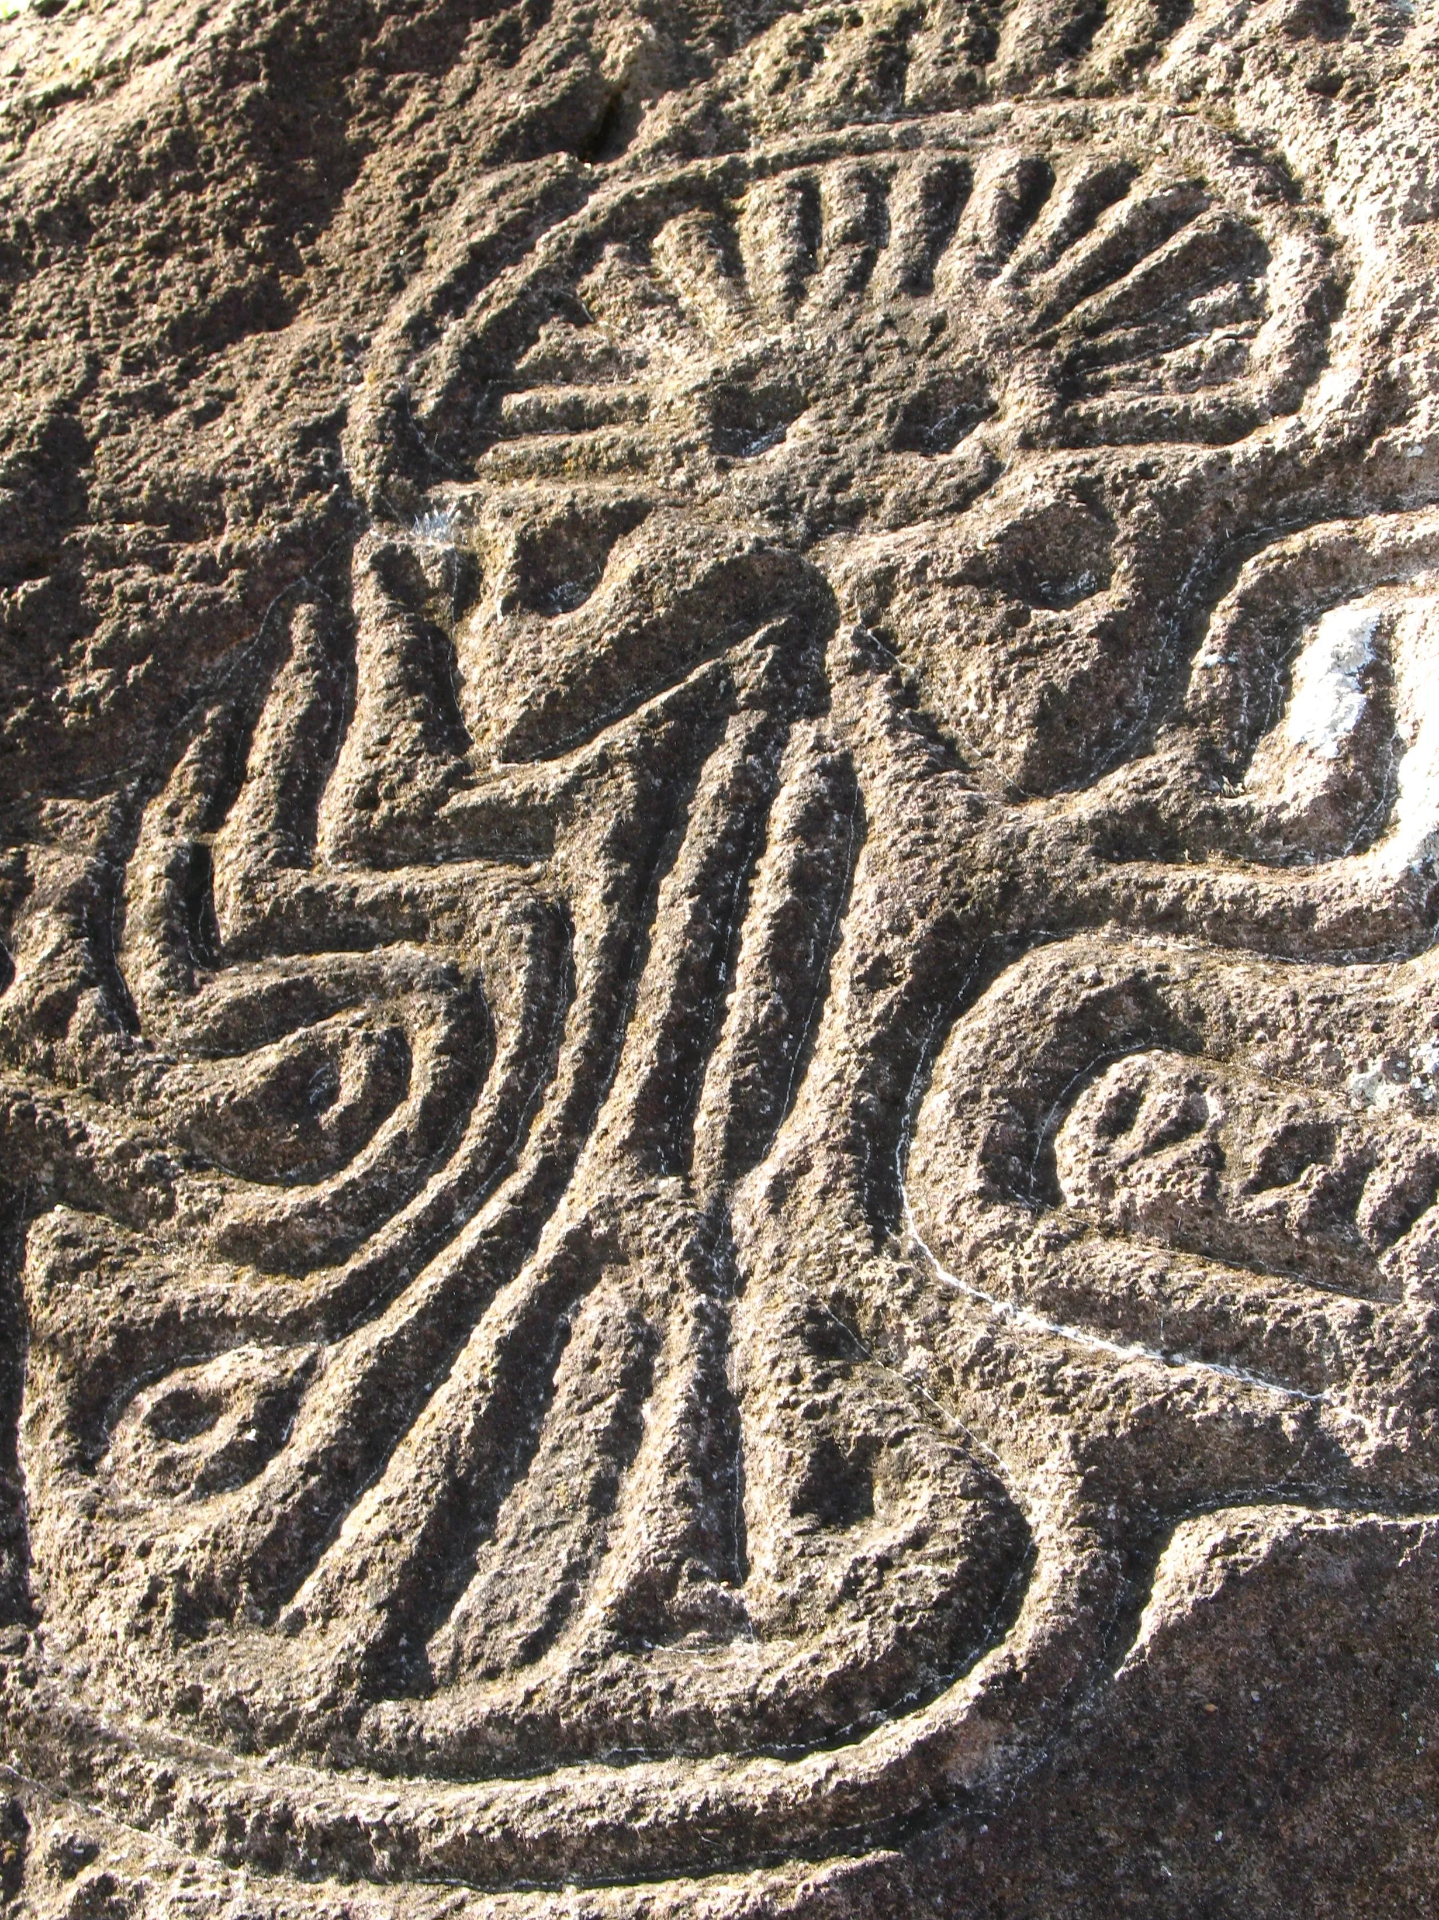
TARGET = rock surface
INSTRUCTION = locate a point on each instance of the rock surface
(719, 1049)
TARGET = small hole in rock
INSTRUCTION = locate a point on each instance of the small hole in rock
(942, 413)
(182, 1415)
(748, 420)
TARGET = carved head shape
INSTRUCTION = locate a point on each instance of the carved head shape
(1004, 381)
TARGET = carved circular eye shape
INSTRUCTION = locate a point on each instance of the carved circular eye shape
(183, 1414)
(211, 1429)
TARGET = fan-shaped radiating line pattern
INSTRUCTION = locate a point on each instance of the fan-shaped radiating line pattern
(1112, 304)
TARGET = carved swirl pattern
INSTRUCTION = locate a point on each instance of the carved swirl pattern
(791, 1010)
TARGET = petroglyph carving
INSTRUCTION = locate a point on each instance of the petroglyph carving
(777, 1015)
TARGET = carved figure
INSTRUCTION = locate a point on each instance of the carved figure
(786, 1012)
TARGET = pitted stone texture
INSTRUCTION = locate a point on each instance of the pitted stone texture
(721, 828)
